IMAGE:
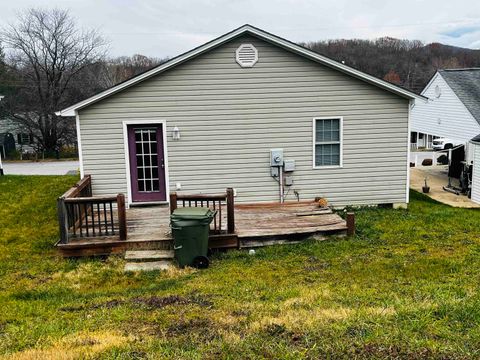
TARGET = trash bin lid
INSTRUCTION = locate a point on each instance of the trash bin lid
(192, 213)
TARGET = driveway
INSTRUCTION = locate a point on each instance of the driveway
(437, 178)
(40, 168)
(419, 156)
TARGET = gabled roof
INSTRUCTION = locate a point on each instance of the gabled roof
(476, 139)
(243, 30)
(465, 83)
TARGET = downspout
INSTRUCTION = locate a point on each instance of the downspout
(411, 104)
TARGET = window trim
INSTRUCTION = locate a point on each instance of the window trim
(22, 136)
(314, 132)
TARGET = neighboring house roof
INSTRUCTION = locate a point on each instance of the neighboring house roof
(476, 139)
(243, 30)
(465, 83)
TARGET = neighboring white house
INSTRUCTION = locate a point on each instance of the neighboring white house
(216, 117)
(452, 111)
(23, 141)
(475, 144)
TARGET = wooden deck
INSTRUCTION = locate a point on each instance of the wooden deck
(255, 225)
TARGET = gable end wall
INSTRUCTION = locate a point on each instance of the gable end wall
(229, 118)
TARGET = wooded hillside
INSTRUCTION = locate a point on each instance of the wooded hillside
(408, 63)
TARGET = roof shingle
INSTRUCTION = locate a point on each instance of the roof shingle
(466, 85)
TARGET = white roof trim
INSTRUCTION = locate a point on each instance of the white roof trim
(437, 74)
(71, 111)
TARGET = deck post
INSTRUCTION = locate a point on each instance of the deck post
(350, 223)
(62, 222)
(122, 217)
(230, 211)
(89, 184)
(173, 202)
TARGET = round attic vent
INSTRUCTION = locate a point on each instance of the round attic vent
(438, 91)
(246, 55)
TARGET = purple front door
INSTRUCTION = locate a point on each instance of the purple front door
(147, 163)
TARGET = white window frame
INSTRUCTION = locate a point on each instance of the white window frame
(314, 133)
(23, 136)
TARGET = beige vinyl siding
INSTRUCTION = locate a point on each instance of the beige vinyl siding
(229, 118)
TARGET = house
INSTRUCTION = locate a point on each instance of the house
(475, 145)
(251, 111)
(452, 111)
(21, 140)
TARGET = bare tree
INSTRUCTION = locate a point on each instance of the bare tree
(49, 53)
(125, 67)
(413, 61)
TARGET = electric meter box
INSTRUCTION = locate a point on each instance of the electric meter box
(276, 157)
(289, 165)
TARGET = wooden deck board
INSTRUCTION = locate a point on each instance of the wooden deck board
(151, 224)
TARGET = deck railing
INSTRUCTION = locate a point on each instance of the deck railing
(218, 202)
(81, 215)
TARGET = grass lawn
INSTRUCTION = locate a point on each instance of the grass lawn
(406, 286)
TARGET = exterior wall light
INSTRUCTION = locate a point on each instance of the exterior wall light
(176, 133)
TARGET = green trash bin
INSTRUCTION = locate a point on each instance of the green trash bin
(190, 228)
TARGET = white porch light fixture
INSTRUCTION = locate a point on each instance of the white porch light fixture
(176, 133)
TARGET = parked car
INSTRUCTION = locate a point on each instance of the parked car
(444, 143)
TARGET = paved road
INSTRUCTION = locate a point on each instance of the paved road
(40, 168)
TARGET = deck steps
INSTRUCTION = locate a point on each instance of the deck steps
(145, 255)
(148, 260)
(148, 266)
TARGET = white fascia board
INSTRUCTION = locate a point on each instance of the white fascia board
(437, 74)
(70, 111)
(336, 65)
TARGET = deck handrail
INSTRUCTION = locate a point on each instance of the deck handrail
(214, 201)
(81, 215)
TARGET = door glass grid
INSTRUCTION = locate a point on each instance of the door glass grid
(147, 160)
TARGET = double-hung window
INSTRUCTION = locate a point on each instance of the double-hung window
(327, 147)
(24, 139)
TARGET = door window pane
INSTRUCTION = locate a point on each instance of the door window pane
(147, 160)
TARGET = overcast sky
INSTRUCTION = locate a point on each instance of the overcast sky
(165, 28)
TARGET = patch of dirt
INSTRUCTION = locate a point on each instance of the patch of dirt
(156, 302)
(395, 352)
(201, 328)
(152, 302)
(182, 326)
(110, 304)
(275, 329)
(316, 264)
(281, 331)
